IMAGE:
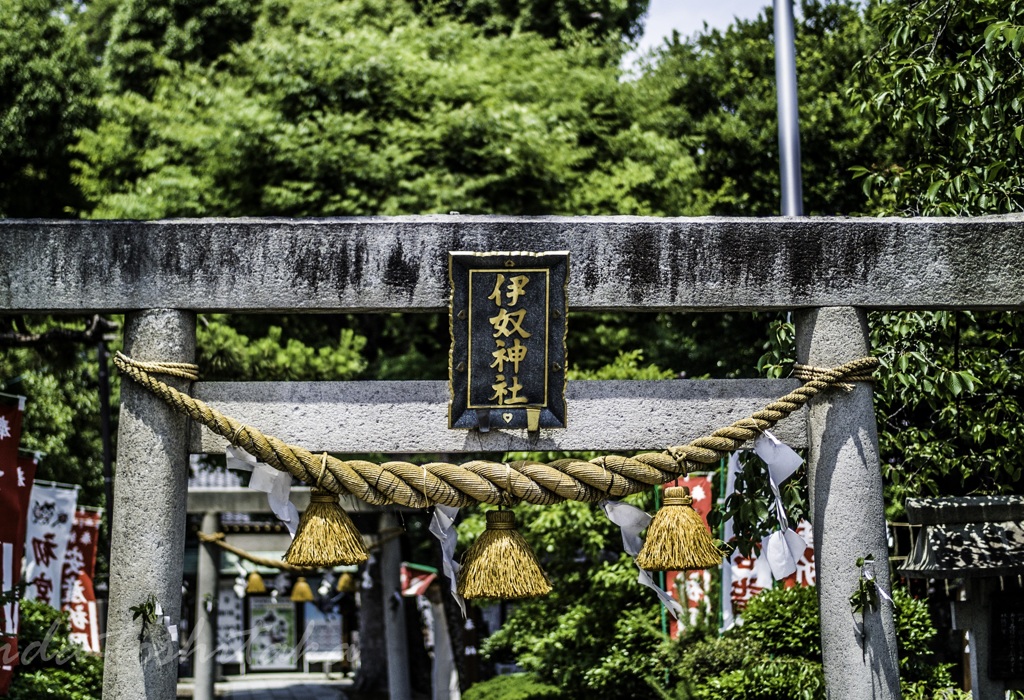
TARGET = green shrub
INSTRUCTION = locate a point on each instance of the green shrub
(517, 686)
(920, 676)
(783, 678)
(785, 622)
(52, 667)
(713, 657)
(776, 653)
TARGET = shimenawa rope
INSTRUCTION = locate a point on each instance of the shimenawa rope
(420, 486)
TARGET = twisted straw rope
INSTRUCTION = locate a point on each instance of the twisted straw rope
(420, 486)
(218, 538)
(808, 372)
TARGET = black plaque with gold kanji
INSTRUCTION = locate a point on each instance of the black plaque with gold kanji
(508, 323)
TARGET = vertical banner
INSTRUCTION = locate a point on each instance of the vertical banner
(79, 568)
(691, 588)
(11, 411)
(51, 512)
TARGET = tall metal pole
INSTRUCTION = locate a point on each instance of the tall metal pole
(789, 119)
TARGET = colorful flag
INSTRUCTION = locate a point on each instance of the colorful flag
(415, 582)
(11, 412)
(79, 569)
(51, 513)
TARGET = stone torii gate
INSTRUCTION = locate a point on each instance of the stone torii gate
(829, 271)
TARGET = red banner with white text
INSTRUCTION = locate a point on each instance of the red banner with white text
(11, 526)
(79, 568)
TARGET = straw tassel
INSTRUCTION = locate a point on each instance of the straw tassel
(325, 536)
(255, 584)
(346, 583)
(301, 592)
(500, 563)
(677, 538)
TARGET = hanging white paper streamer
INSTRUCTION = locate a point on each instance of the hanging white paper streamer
(237, 458)
(867, 570)
(165, 620)
(784, 548)
(782, 461)
(442, 526)
(273, 482)
(632, 521)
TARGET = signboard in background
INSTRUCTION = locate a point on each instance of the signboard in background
(51, 513)
(322, 641)
(79, 569)
(230, 626)
(272, 629)
(13, 482)
(508, 324)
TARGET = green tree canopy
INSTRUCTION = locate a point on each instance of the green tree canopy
(948, 79)
(47, 91)
(716, 94)
(366, 108)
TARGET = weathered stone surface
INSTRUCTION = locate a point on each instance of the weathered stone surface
(964, 509)
(967, 550)
(410, 416)
(400, 263)
(148, 529)
(859, 656)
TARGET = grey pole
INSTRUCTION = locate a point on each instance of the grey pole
(399, 687)
(204, 653)
(859, 652)
(148, 527)
(789, 117)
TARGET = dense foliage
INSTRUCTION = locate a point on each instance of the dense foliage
(47, 93)
(62, 413)
(949, 75)
(719, 95)
(774, 655)
(165, 108)
(51, 665)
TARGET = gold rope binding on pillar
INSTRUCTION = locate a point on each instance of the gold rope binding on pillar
(806, 373)
(677, 538)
